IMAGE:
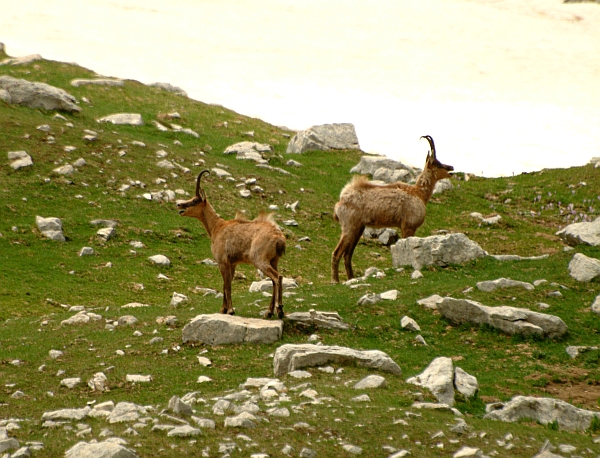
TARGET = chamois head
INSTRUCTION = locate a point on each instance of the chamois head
(439, 170)
(195, 206)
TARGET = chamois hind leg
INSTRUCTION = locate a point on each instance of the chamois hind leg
(227, 274)
(408, 231)
(354, 237)
(279, 289)
(270, 272)
(337, 254)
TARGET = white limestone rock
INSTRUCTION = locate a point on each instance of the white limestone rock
(19, 159)
(438, 378)
(97, 82)
(584, 269)
(266, 285)
(219, 329)
(510, 320)
(465, 384)
(439, 250)
(160, 260)
(106, 449)
(249, 151)
(431, 302)
(66, 414)
(177, 299)
(321, 320)
(581, 233)
(292, 357)
(369, 165)
(543, 410)
(370, 381)
(324, 137)
(130, 119)
(409, 324)
(501, 283)
(38, 95)
(51, 228)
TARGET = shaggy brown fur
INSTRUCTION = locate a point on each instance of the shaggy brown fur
(363, 203)
(259, 242)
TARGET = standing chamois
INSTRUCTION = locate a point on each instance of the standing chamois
(259, 242)
(363, 203)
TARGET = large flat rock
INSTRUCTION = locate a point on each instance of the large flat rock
(38, 95)
(291, 357)
(543, 410)
(511, 320)
(218, 329)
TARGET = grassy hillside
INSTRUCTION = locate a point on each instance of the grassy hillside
(40, 278)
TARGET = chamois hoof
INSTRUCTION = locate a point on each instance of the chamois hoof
(231, 312)
(268, 315)
(280, 314)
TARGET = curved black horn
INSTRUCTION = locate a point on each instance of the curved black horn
(198, 182)
(431, 144)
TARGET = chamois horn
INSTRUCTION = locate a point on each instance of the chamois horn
(431, 144)
(198, 188)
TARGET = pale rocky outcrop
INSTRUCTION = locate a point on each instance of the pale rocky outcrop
(19, 159)
(514, 257)
(38, 95)
(543, 410)
(583, 268)
(322, 320)
(106, 449)
(370, 381)
(219, 329)
(291, 357)
(130, 119)
(444, 185)
(81, 318)
(249, 151)
(501, 283)
(324, 137)
(510, 320)
(431, 302)
(266, 285)
(169, 88)
(438, 378)
(385, 236)
(596, 305)
(486, 220)
(160, 260)
(384, 169)
(21, 60)
(51, 228)
(439, 250)
(97, 82)
(442, 379)
(409, 324)
(581, 233)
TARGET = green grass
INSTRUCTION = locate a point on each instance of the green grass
(40, 278)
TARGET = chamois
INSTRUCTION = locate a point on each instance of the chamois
(259, 242)
(363, 203)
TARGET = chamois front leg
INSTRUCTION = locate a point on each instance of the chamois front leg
(227, 274)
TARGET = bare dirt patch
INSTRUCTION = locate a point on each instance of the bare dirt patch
(580, 394)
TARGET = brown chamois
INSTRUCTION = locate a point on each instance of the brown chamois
(363, 203)
(259, 242)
